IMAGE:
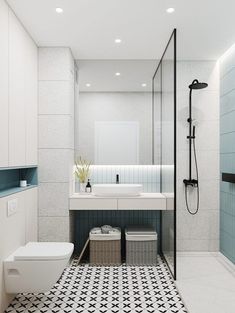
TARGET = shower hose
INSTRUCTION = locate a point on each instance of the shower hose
(186, 187)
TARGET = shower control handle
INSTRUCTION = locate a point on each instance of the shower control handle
(191, 182)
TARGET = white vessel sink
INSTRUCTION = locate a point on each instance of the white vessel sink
(116, 189)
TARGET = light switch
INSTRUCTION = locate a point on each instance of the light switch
(12, 207)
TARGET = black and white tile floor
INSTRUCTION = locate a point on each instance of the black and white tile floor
(111, 289)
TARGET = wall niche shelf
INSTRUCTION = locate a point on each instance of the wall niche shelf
(10, 179)
(228, 177)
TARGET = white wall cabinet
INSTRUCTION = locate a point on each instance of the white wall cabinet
(18, 92)
(3, 84)
(22, 95)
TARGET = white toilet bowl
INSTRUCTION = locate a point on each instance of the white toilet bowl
(36, 267)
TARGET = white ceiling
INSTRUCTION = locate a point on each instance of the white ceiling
(206, 28)
(101, 75)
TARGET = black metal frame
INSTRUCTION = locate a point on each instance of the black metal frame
(174, 37)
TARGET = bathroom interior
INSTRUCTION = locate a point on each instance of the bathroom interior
(117, 172)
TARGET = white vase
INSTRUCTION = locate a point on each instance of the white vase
(82, 187)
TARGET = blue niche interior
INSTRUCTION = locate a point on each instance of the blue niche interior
(10, 179)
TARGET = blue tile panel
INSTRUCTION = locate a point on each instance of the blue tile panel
(86, 220)
(227, 155)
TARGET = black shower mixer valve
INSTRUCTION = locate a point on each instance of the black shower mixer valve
(191, 182)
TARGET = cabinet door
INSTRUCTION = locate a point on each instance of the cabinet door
(31, 102)
(17, 91)
(23, 65)
(3, 84)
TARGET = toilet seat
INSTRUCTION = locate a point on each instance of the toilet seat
(43, 251)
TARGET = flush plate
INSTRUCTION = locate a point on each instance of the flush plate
(12, 207)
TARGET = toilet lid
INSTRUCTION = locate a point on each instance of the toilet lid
(44, 251)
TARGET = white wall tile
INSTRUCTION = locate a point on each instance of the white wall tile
(55, 97)
(55, 64)
(54, 229)
(207, 135)
(204, 71)
(208, 165)
(209, 195)
(54, 165)
(55, 131)
(204, 105)
(204, 225)
(53, 199)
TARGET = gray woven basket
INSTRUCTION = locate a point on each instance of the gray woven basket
(141, 252)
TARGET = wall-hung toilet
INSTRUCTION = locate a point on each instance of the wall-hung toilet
(36, 267)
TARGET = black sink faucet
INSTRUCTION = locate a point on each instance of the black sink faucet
(117, 178)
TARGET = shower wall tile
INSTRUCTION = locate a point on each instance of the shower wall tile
(227, 83)
(227, 103)
(227, 154)
(199, 232)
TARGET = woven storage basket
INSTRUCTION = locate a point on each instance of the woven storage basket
(141, 246)
(105, 249)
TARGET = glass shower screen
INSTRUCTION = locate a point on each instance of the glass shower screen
(164, 146)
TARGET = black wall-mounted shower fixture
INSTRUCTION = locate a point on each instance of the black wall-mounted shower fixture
(192, 182)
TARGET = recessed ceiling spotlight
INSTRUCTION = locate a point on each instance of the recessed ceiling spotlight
(118, 40)
(144, 85)
(117, 74)
(88, 85)
(59, 10)
(170, 10)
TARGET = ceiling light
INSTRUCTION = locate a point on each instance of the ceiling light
(170, 10)
(117, 74)
(88, 85)
(59, 10)
(144, 85)
(118, 40)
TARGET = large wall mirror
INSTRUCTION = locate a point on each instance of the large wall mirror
(114, 111)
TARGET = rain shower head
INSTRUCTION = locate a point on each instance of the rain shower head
(196, 85)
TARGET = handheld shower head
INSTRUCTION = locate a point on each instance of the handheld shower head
(197, 85)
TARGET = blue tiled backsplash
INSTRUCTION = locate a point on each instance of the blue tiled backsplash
(147, 175)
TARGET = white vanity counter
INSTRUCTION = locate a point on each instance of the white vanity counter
(145, 201)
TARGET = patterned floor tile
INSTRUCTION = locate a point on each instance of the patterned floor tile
(114, 289)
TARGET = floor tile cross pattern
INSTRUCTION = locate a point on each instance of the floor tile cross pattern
(106, 289)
